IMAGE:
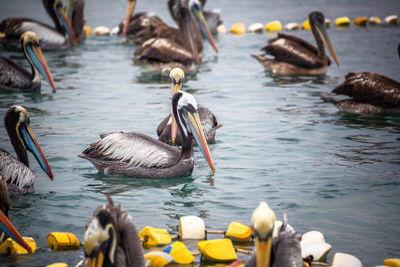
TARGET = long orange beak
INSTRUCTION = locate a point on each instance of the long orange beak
(323, 33)
(7, 227)
(204, 28)
(263, 251)
(131, 7)
(40, 63)
(67, 26)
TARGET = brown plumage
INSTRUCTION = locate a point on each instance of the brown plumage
(369, 92)
(291, 55)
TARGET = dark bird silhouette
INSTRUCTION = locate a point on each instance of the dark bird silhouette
(294, 56)
(51, 38)
(13, 77)
(368, 92)
(111, 239)
(16, 172)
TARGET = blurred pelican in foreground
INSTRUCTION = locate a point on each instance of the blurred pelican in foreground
(294, 56)
(167, 130)
(16, 172)
(281, 251)
(369, 92)
(6, 227)
(13, 77)
(111, 239)
(138, 155)
(57, 38)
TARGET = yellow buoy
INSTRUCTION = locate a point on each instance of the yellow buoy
(392, 19)
(9, 246)
(180, 253)
(101, 30)
(238, 28)
(342, 22)
(158, 258)
(291, 26)
(221, 29)
(306, 25)
(155, 236)
(273, 26)
(217, 250)
(2, 34)
(58, 264)
(392, 262)
(374, 20)
(62, 241)
(360, 21)
(88, 30)
(239, 232)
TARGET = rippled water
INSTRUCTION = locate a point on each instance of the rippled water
(329, 170)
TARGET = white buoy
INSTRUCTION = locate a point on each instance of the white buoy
(345, 260)
(392, 19)
(310, 238)
(192, 227)
(256, 28)
(317, 251)
(101, 30)
(291, 26)
(115, 31)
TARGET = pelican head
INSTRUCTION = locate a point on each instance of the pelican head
(101, 240)
(18, 127)
(177, 76)
(184, 108)
(129, 12)
(33, 52)
(317, 22)
(197, 10)
(263, 221)
(64, 20)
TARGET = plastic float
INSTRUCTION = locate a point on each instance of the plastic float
(342, 22)
(217, 250)
(88, 30)
(392, 20)
(238, 28)
(152, 236)
(101, 30)
(114, 31)
(256, 28)
(273, 26)
(306, 25)
(327, 23)
(58, 264)
(158, 258)
(374, 20)
(222, 29)
(345, 260)
(392, 262)
(314, 247)
(360, 21)
(291, 26)
(9, 246)
(62, 241)
(180, 253)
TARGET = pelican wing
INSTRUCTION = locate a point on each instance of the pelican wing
(290, 50)
(135, 149)
(370, 88)
(164, 50)
(13, 76)
(14, 171)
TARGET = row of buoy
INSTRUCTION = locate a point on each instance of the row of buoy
(313, 245)
(273, 26)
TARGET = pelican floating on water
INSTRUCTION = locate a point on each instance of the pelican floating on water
(111, 239)
(282, 251)
(19, 177)
(138, 155)
(14, 77)
(170, 47)
(57, 38)
(294, 56)
(208, 120)
(369, 92)
(6, 227)
(75, 12)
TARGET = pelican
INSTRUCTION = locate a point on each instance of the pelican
(17, 174)
(57, 38)
(208, 120)
(138, 155)
(171, 47)
(369, 92)
(6, 227)
(14, 77)
(111, 239)
(294, 56)
(282, 251)
(75, 12)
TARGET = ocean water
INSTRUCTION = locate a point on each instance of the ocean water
(328, 170)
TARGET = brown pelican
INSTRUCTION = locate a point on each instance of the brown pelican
(294, 56)
(17, 174)
(75, 12)
(138, 155)
(170, 47)
(369, 92)
(282, 251)
(6, 227)
(208, 120)
(111, 239)
(14, 77)
(50, 38)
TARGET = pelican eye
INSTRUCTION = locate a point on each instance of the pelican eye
(264, 238)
